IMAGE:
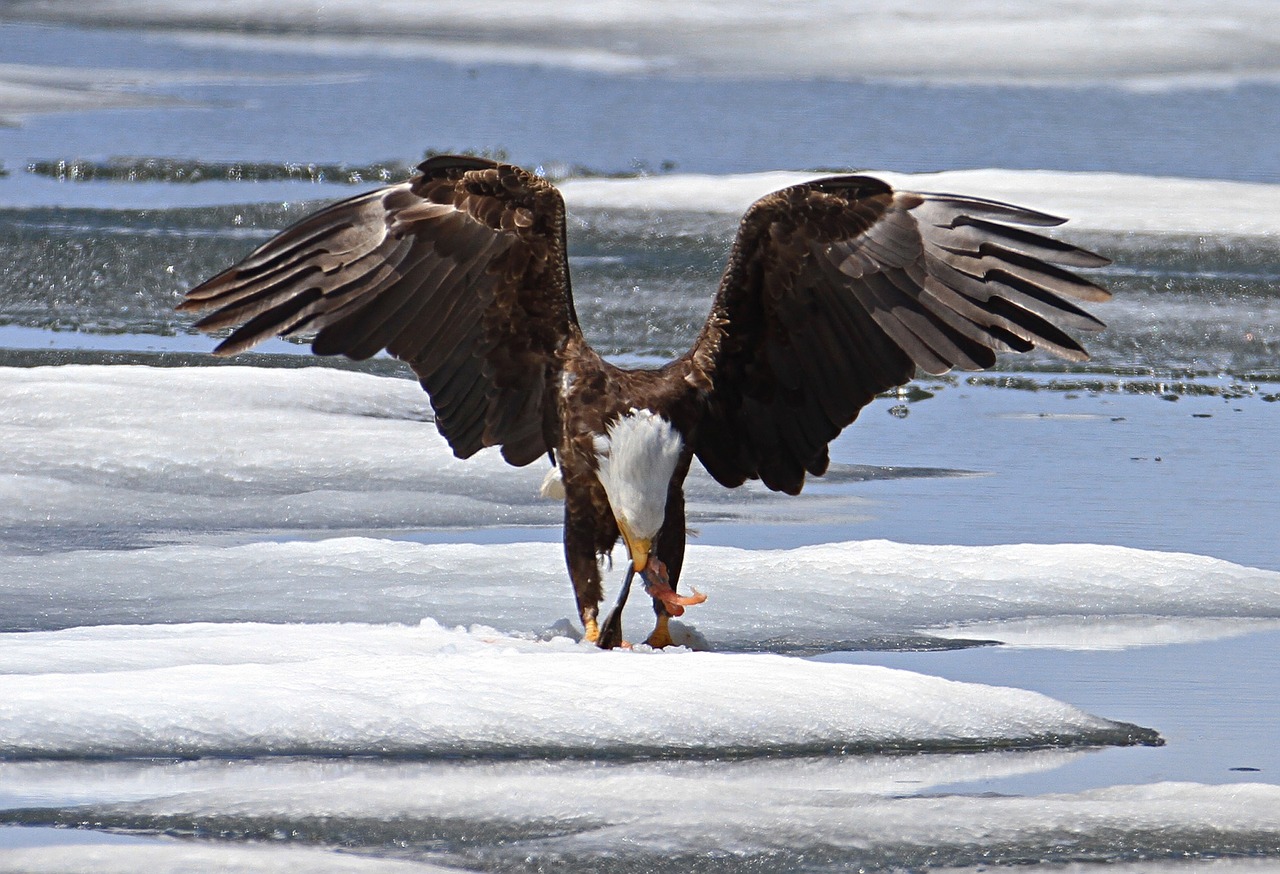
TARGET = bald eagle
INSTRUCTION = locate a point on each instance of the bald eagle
(835, 290)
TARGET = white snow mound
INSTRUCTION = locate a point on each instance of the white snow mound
(252, 689)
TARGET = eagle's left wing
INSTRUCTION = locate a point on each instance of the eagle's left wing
(841, 288)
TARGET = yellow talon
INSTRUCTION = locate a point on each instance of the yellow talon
(590, 630)
(661, 636)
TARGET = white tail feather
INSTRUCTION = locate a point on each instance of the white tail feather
(637, 457)
(552, 485)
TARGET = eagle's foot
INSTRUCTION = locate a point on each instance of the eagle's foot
(590, 630)
(658, 584)
(661, 636)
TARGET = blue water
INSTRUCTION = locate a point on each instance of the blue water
(300, 107)
(1218, 725)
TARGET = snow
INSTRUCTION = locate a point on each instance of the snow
(1080, 596)
(29, 89)
(251, 689)
(182, 857)
(1110, 203)
(1208, 44)
(1107, 202)
(336, 787)
(118, 452)
(905, 827)
(251, 448)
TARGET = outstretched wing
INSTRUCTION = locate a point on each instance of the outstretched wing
(460, 272)
(841, 288)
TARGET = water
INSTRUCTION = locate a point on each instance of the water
(280, 106)
(1165, 441)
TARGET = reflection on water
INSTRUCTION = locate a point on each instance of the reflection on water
(876, 813)
(1217, 719)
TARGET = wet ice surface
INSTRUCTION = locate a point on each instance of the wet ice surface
(250, 564)
(131, 456)
(879, 813)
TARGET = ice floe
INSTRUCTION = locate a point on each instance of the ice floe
(115, 453)
(249, 689)
(804, 599)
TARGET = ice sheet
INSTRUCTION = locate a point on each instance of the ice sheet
(117, 453)
(1106, 632)
(875, 813)
(197, 447)
(302, 787)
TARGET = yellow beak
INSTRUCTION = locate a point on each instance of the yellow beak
(638, 547)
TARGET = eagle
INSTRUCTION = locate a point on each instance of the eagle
(835, 290)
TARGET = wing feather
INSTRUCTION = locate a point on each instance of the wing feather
(841, 288)
(460, 272)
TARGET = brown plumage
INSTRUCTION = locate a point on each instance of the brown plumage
(835, 290)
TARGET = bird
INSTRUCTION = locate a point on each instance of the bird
(835, 290)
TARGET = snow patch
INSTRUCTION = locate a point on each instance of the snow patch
(836, 594)
(182, 857)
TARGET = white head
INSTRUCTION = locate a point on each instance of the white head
(637, 456)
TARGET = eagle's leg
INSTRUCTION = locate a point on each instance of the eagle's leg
(611, 631)
(584, 571)
(663, 573)
(661, 635)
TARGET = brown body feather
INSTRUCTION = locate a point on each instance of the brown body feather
(835, 290)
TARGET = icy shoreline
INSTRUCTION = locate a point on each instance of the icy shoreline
(1207, 45)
